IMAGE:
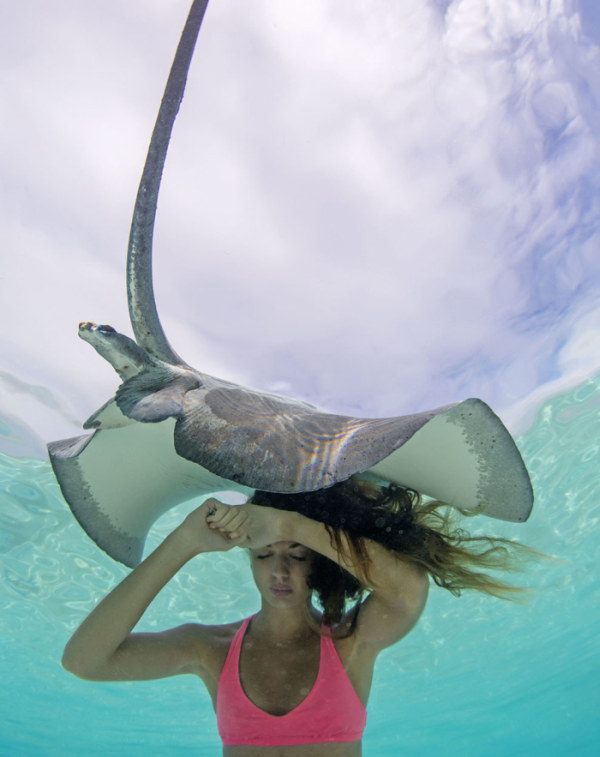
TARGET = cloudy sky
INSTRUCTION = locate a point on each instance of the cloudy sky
(377, 207)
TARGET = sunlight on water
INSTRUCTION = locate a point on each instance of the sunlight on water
(476, 677)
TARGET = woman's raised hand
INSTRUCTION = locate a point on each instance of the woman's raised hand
(199, 537)
(247, 525)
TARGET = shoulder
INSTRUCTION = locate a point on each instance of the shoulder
(202, 636)
(208, 644)
(213, 634)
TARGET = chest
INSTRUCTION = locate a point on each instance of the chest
(277, 679)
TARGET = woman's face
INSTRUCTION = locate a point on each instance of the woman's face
(281, 571)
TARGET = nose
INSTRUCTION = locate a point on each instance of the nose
(280, 566)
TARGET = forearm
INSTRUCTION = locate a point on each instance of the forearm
(390, 576)
(393, 578)
(109, 624)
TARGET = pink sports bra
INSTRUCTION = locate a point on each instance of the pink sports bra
(332, 711)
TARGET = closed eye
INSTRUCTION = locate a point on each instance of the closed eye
(264, 557)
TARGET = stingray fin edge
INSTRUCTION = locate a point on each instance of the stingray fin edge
(80, 499)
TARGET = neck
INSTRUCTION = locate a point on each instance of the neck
(284, 626)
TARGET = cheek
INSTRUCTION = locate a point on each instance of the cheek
(261, 572)
(258, 568)
(255, 568)
(304, 569)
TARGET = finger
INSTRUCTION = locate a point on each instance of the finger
(211, 505)
(236, 523)
(238, 539)
(225, 517)
(217, 515)
(233, 531)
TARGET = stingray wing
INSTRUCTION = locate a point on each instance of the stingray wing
(461, 454)
(464, 456)
(118, 481)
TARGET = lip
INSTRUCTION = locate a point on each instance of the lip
(281, 591)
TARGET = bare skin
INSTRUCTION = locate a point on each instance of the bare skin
(280, 653)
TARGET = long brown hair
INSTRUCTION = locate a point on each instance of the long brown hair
(428, 533)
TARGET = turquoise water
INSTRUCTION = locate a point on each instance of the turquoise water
(477, 677)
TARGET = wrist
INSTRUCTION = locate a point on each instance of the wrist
(289, 525)
(185, 544)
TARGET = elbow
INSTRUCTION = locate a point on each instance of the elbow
(417, 591)
(71, 666)
(77, 667)
(67, 661)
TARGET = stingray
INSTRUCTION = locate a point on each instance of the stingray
(172, 433)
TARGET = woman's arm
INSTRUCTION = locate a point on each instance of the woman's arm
(103, 647)
(398, 587)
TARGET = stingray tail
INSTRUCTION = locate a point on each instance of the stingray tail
(140, 292)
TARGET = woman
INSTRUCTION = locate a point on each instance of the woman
(291, 680)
